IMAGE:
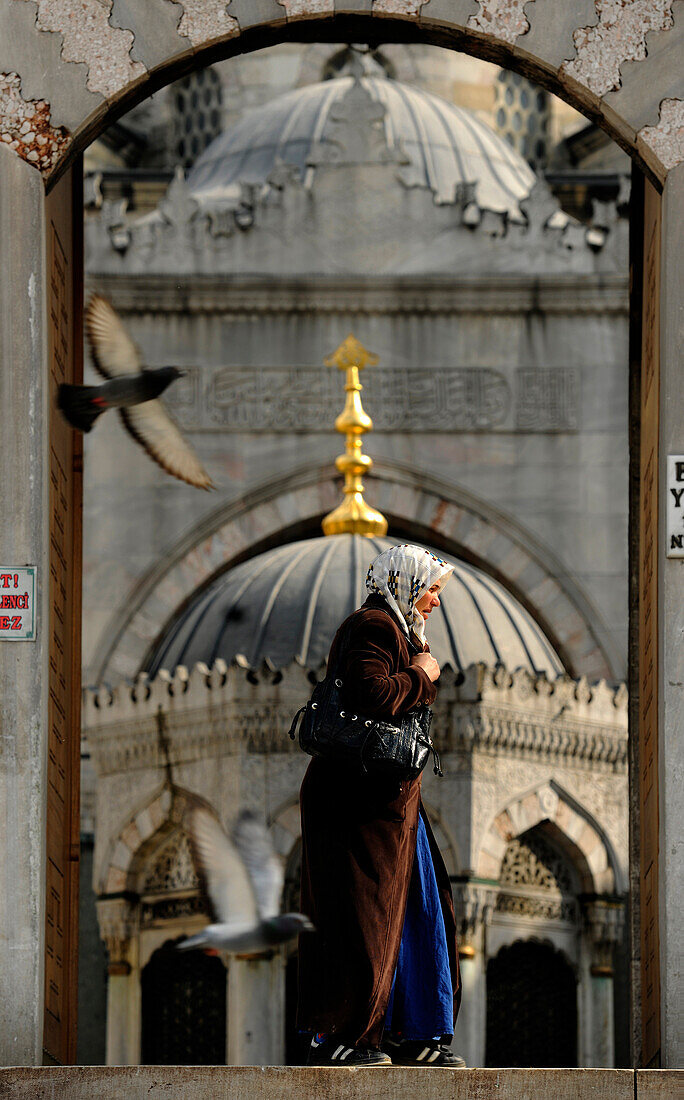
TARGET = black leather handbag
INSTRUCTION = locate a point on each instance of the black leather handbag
(330, 729)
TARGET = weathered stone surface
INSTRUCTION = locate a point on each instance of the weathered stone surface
(342, 6)
(619, 36)
(659, 1084)
(638, 98)
(250, 13)
(23, 668)
(409, 8)
(205, 20)
(155, 23)
(552, 24)
(291, 1083)
(449, 13)
(504, 19)
(88, 37)
(36, 57)
(26, 127)
(666, 140)
(301, 9)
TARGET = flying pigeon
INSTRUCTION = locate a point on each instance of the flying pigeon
(244, 881)
(133, 389)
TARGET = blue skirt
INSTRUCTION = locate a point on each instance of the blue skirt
(421, 1004)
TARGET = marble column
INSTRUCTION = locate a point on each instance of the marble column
(256, 1010)
(118, 921)
(473, 913)
(604, 920)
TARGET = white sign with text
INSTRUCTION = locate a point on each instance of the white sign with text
(675, 506)
(18, 603)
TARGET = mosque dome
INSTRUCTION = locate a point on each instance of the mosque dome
(445, 145)
(286, 604)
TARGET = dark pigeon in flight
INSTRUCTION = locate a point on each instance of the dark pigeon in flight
(243, 880)
(133, 389)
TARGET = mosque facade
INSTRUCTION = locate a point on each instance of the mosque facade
(362, 203)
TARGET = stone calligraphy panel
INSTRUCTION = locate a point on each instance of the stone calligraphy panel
(307, 399)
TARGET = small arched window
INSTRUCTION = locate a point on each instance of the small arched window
(197, 105)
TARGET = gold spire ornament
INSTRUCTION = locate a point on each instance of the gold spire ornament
(353, 516)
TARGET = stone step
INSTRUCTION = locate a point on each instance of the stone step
(296, 1083)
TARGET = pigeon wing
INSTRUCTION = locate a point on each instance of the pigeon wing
(113, 352)
(220, 869)
(151, 426)
(263, 866)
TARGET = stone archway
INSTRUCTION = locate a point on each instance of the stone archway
(451, 519)
(583, 838)
(66, 71)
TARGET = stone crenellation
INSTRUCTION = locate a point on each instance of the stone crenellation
(228, 710)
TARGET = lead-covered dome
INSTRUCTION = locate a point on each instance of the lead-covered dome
(286, 604)
(445, 145)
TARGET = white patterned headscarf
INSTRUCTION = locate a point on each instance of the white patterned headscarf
(401, 575)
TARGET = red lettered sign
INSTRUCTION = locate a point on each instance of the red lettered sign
(17, 603)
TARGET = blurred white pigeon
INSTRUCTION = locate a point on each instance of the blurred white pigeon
(243, 880)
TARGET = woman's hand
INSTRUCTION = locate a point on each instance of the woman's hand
(428, 664)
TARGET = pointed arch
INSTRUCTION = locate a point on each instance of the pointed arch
(573, 827)
(453, 520)
(144, 832)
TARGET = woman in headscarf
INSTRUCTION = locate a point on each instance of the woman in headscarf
(381, 970)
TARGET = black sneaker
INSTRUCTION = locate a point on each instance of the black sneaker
(419, 1052)
(334, 1052)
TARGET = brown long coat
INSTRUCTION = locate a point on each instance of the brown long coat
(358, 845)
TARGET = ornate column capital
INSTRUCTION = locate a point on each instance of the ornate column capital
(473, 905)
(119, 921)
(604, 919)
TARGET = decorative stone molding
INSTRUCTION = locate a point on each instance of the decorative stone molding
(568, 294)
(605, 921)
(226, 709)
(589, 850)
(519, 713)
(473, 905)
(118, 919)
(194, 239)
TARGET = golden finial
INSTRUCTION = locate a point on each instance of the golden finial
(353, 516)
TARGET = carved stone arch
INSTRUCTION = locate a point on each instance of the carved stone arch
(572, 827)
(144, 833)
(291, 507)
(114, 61)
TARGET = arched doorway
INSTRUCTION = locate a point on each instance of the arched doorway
(536, 44)
(183, 1008)
(531, 1007)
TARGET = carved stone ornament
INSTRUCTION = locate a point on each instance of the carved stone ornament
(473, 906)
(605, 921)
(119, 923)
(173, 868)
